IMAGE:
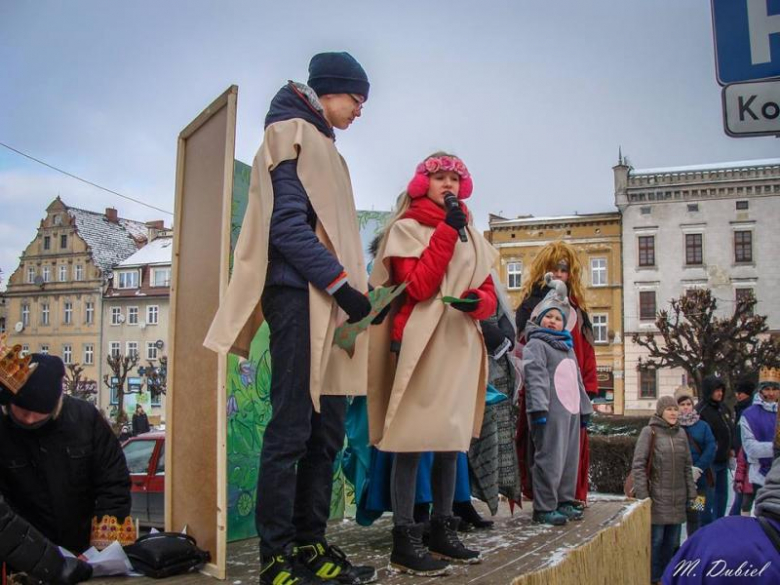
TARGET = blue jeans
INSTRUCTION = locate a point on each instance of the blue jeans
(664, 540)
(717, 495)
(295, 481)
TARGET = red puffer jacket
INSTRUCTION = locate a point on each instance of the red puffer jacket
(424, 275)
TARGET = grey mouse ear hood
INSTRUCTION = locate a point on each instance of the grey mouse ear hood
(556, 298)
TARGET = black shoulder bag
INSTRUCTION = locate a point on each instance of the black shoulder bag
(166, 553)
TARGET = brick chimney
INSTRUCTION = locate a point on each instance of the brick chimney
(111, 215)
(154, 228)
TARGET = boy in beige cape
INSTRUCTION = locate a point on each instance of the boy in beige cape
(298, 264)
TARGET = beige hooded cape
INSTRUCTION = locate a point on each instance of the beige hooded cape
(434, 399)
(325, 178)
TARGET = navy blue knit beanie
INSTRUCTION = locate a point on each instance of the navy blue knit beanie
(42, 391)
(337, 73)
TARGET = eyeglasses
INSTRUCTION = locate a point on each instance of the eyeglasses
(359, 100)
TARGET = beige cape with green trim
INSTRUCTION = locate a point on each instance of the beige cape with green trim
(325, 178)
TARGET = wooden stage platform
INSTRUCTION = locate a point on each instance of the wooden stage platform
(609, 546)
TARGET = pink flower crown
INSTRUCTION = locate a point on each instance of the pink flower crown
(418, 186)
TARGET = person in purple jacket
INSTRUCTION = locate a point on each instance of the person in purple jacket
(734, 549)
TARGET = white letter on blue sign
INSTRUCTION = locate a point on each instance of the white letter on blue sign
(761, 25)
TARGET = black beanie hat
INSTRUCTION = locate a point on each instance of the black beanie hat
(42, 391)
(337, 73)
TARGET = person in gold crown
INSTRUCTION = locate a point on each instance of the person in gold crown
(60, 463)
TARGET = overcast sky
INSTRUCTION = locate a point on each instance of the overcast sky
(536, 97)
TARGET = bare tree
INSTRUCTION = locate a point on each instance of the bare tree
(156, 377)
(120, 366)
(691, 337)
(77, 386)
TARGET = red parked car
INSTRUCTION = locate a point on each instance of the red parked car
(145, 455)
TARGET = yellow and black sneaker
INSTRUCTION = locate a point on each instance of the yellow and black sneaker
(280, 569)
(329, 563)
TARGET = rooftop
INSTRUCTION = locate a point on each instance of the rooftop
(109, 242)
(742, 164)
(531, 220)
(159, 251)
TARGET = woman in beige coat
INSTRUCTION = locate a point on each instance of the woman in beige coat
(428, 366)
(670, 482)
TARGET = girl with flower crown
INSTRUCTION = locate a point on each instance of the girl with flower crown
(428, 365)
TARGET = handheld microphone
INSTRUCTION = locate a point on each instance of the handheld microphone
(451, 202)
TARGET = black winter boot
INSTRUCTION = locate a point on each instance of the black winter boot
(410, 555)
(445, 543)
(468, 513)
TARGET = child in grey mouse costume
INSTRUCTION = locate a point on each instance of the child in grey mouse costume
(557, 404)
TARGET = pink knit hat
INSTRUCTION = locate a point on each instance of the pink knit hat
(418, 186)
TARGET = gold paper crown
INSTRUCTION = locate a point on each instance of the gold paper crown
(15, 370)
(108, 529)
(769, 376)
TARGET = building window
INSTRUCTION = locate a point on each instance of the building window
(742, 295)
(114, 397)
(161, 277)
(115, 349)
(68, 313)
(44, 349)
(132, 349)
(128, 279)
(151, 350)
(26, 315)
(155, 399)
(152, 315)
(600, 331)
(63, 273)
(132, 315)
(693, 249)
(647, 305)
(116, 316)
(46, 243)
(25, 350)
(693, 207)
(648, 387)
(514, 275)
(742, 205)
(743, 246)
(78, 272)
(30, 274)
(89, 354)
(90, 313)
(63, 242)
(598, 271)
(46, 274)
(44, 313)
(647, 250)
(2, 324)
(67, 354)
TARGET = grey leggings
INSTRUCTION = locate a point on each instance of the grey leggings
(403, 486)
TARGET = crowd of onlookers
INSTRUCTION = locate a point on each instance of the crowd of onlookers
(683, 461)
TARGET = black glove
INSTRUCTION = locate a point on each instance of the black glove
(74, 571)
(354, 304)
(467, 307)
(494, 337)
(381, 316)
(456, 218)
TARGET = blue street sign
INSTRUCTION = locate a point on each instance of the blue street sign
(747, 39)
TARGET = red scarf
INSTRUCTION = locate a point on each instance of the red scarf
(426, 212)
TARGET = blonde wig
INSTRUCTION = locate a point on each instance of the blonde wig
(547, 261)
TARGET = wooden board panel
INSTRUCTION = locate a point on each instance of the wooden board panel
(195, 435)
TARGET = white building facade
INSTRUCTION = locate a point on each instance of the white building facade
(708, 226)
